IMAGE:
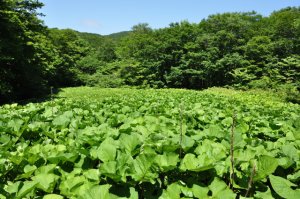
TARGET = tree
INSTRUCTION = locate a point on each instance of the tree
(284, 28)
(71, 48)
(25, 53)
(141, 28)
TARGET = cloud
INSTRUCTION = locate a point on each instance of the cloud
(91, 23)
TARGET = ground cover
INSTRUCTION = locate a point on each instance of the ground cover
(169, 143)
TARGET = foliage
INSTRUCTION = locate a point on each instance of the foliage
(129, 143)
(70, 50)
(118, 36)
(26, 57)
(33, 57)
(239, 49)
(104, 46)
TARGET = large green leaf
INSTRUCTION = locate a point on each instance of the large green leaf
(210, 149)
(215, 131)
(290, 151)
(200, 192)
(187, 143)
(27, 187)
(67, 186)
(92, 174)
(285, 162)
(106, 151)
(15, 125)
(283, 187)
(129, 142)
(177, 190)
(264, 195)
(109, 169)
(46, 169)
(238, 140)
(192, 163)
(266, 165)
(220, 189)
(172, 192)
(13, 187)
(124, 164)
(294, 177)
(167, 161)
(46, 181)
(227, 122)
(142, 169)
(244, 154)
(4, 139)
(63, 120)
(189, 162)
(209, 153)
(28, 171)
(96, 192)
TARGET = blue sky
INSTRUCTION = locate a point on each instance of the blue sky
(110, 16)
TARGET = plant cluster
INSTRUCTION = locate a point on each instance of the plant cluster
(163, 144)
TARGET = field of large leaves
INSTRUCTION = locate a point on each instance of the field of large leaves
(124, 143)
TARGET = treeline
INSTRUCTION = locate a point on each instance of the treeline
(242, 50)
(32, 57)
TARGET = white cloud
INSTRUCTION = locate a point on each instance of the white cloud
(91, 23)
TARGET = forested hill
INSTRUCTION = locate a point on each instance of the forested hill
(241, 50)
(118, 35)
(97, 40)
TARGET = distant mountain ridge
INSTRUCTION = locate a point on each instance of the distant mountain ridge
(118, 35)
(94, 38)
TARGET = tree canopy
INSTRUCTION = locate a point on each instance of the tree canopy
(240, 49)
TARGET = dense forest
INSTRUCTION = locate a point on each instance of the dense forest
(239, 50)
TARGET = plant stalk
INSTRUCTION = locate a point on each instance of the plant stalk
(181, 130)
(52, 103)
(232, 150)
(251, 179)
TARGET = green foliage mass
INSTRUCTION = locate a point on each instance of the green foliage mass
(163, 143)
(240, 50)
(33, 57)
(25, 54)
(235, 49)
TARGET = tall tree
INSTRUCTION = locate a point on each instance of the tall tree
(71, 48)
(23, 49)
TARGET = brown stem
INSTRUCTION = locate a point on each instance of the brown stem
(181, 130)
(232, 150)
(52, 103)
(251, 179)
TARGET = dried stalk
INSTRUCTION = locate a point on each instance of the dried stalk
(232, 151)
(181, 130)
(251, 179)
(52, 102)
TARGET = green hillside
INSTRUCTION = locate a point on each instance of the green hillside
(119, 35)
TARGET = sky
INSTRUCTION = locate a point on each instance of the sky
(110, 16)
